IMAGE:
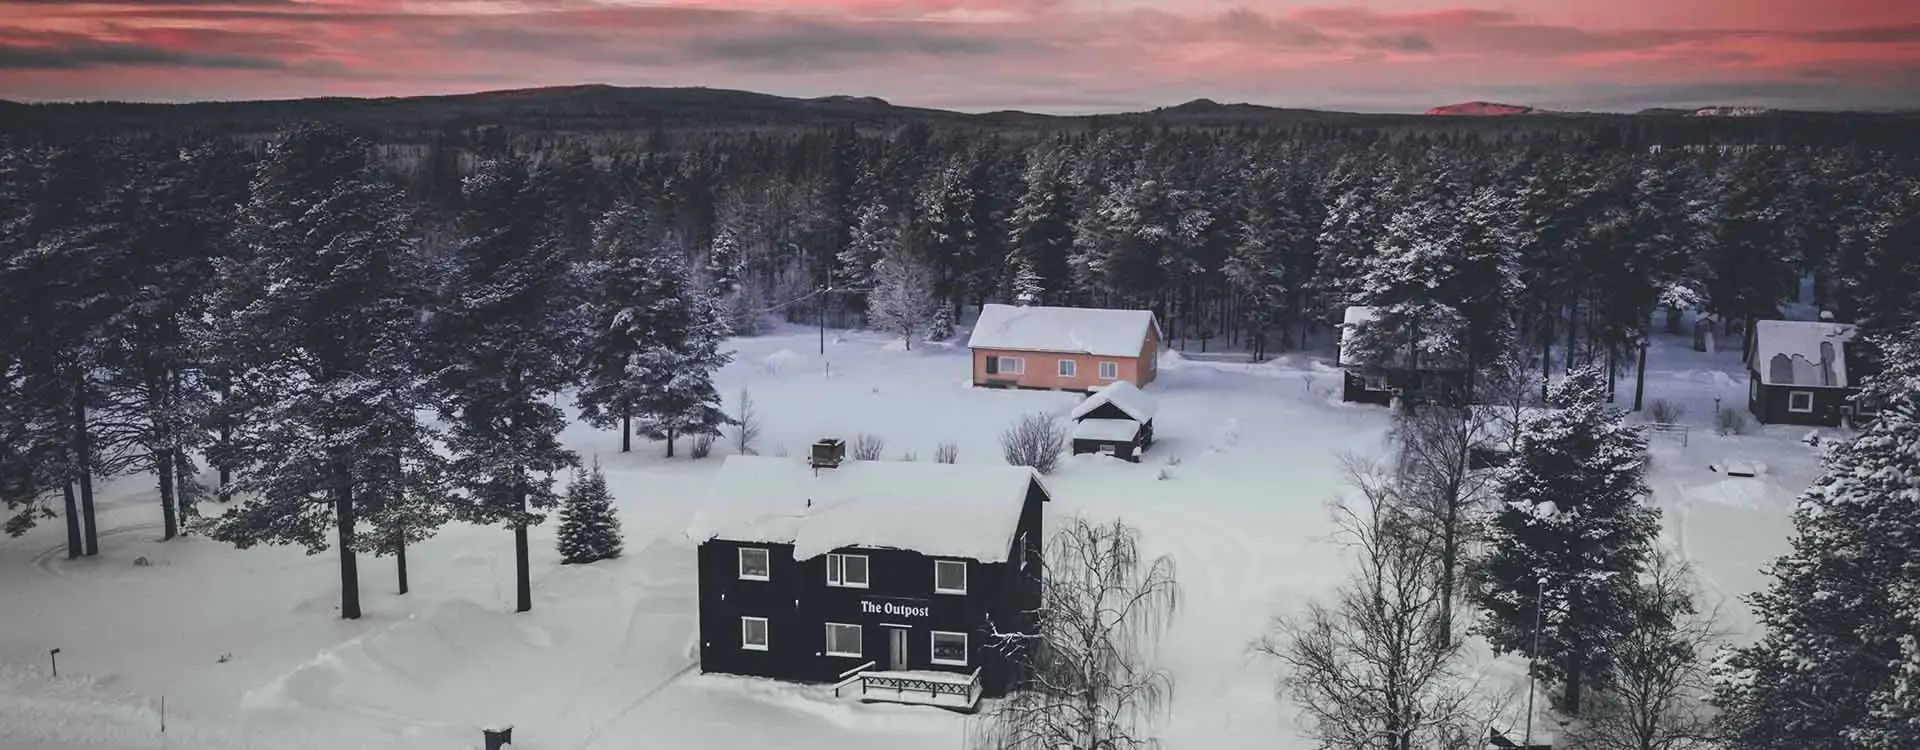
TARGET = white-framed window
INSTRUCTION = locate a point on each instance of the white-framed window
(1013, 366)
(949, 648)
(844, 640)
(755, 564)
(1800, 402)
(949, 577)
(1109, 370)
(753, 633)
(1069, 368)
(848, 571)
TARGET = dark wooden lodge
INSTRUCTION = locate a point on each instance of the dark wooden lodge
(885, 578)
(1805, 373)
(1380, 382)
(1115, 419)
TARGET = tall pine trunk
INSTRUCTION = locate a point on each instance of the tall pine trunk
(343, 513)
(523, 574)
(626, 433)
(83, 455)
(400, 560)
(1574, 665)
(1640, 377)
(74, 548)
(226, 442)
(170, 519)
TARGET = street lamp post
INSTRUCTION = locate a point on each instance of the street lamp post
(1539, 589)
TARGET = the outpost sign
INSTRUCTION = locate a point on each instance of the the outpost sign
(896, 607)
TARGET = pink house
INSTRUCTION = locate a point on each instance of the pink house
(1063, 348)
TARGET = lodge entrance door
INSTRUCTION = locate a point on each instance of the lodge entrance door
(897, 649)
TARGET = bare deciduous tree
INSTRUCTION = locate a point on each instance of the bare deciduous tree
(749, 428)
(946, 452)
(1090, 680)
(1658, 697)
(1507, 390)
(1036, 440)
(1441, 487)
(868, 447)
(1370, 668)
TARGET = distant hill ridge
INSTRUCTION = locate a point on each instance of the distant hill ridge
(605, 108)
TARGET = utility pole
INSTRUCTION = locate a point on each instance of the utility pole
(824, 289)
(54, 656)
(1539, 588)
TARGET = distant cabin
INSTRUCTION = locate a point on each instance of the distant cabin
(1116, 419)
(1063, 348)
(1803, 372)
(1378, 382)
(884, 577)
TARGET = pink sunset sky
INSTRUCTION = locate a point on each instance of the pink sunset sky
(1061, 56)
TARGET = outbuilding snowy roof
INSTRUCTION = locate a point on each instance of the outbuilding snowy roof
(1106, 430)
(1801, 353)
(1355, 316)
(1077, 330)
(945, 510)
(1122, 394)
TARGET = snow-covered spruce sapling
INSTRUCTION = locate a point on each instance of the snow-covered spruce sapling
(589, 526)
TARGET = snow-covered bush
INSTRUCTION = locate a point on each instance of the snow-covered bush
(868, 447)
(589, 529)
(1036, 440)
(1666, 412)
(946, 452)
(703, 444)
(1731, 421)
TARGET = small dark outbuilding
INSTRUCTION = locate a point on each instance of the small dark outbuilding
(1116, 419)
(1804, 372)
(1374, 381)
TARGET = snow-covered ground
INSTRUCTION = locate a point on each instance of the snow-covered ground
(246, 650)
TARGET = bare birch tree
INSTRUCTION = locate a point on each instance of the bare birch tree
(1658, 697)
(1090, 680)
(1369, 668)
(1441, 486)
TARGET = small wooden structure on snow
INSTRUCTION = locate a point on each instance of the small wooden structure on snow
(1802, 372)
(1116, 419)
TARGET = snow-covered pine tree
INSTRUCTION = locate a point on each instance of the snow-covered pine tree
(1569, 531)
(672, 373)
(1040, 228)
(902, 299)
(1838, 667)
(505, 336)
(406, 495)
(621, 308)
(317, 315)
(589, 528)
(1750, 264)
(1256, 265)
(876, 233)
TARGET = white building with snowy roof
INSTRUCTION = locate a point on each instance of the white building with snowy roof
(886, 576)
(1063, 348)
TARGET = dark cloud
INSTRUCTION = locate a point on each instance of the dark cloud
(1865, 35)
(1398, 43)
(57, 51)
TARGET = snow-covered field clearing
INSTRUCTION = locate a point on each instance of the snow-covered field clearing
(247, 650)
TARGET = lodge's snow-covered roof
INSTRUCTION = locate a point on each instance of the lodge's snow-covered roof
(1077, 330)
(1354, 316)
(1122, 394)
(1106, 430)
(944, 510)
(1800, 343)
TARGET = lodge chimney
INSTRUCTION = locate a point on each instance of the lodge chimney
(828, 453)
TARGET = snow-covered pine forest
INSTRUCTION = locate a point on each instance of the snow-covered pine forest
(305, 342)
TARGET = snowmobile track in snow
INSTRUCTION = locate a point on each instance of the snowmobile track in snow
(54, 561)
